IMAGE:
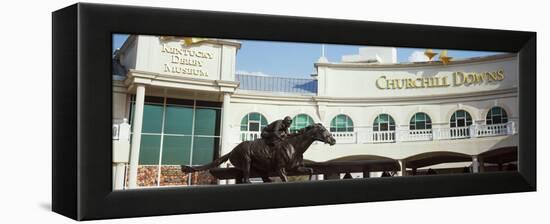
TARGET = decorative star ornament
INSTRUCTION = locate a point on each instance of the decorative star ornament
(430, 54)
(444, 58)
(188, 41)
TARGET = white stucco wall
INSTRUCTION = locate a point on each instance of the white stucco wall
(359, 80)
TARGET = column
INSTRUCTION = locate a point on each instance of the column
(475, 164)
(136, 138)
(481, 164)
(403, 165)
(119, 176)
(225, 143)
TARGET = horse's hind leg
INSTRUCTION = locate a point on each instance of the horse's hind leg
(307, 170)
(282, 174)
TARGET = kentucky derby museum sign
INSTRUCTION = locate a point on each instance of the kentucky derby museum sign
(184, 57)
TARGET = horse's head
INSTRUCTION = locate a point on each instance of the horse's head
(320, 133)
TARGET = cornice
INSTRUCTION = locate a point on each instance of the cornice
(434, 64)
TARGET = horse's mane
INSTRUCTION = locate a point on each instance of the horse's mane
(303, 130)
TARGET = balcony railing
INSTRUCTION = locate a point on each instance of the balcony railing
(250, 135)
(415, 135)
(345, 137)
(367, 135)
(382, 136)
(451, 133)
(492, 130)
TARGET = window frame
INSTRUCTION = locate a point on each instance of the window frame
(248, 121)
(456, 119)
(389, 122)
(490, 117)
(347, 127)
(293, 127)
(414, 122)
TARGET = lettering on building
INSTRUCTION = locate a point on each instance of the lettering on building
(456, 79)
(186, 61)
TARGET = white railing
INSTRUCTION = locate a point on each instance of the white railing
(367, 135)
(382, 136)
(345, 137)
(451, 133)
(491, 130)
(459, 132)
(415, 135)
(250, 135)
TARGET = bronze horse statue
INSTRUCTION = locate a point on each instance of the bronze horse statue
(256, 155)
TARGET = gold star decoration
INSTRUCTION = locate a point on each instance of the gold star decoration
(188, 41)
(430, 54)
(444, 58)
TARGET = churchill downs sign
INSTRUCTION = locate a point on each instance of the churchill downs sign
(456, 79)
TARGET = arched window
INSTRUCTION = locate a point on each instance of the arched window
(461, 118)
(300, 121)
(341, 123)
(420, 121)
(253, 122)
(384, 122)
(496, 115)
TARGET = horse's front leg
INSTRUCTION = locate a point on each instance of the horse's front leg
(282, 174)
(307, 170)
(246, 171)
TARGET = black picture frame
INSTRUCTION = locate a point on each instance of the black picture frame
(82, 111)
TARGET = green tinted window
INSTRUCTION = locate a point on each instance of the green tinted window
(203, 149)
(244, 123)
(420, 121)
(176, 150)
(206, 121)
(149, 150)
(384, 122)
(179, 120)
(152, 118)
(341, 123)
(496, 115)
(300, 121)
(253, 122)
(461, 118)
(254, 116)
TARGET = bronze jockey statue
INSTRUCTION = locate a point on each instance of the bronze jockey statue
(274, 133)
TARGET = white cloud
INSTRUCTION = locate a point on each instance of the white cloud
(418, 56)
(251, 73)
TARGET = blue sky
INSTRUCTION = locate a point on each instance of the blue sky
(296, 59)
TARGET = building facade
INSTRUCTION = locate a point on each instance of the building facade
(178, 101)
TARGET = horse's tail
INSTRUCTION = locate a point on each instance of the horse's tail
(215, 163)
